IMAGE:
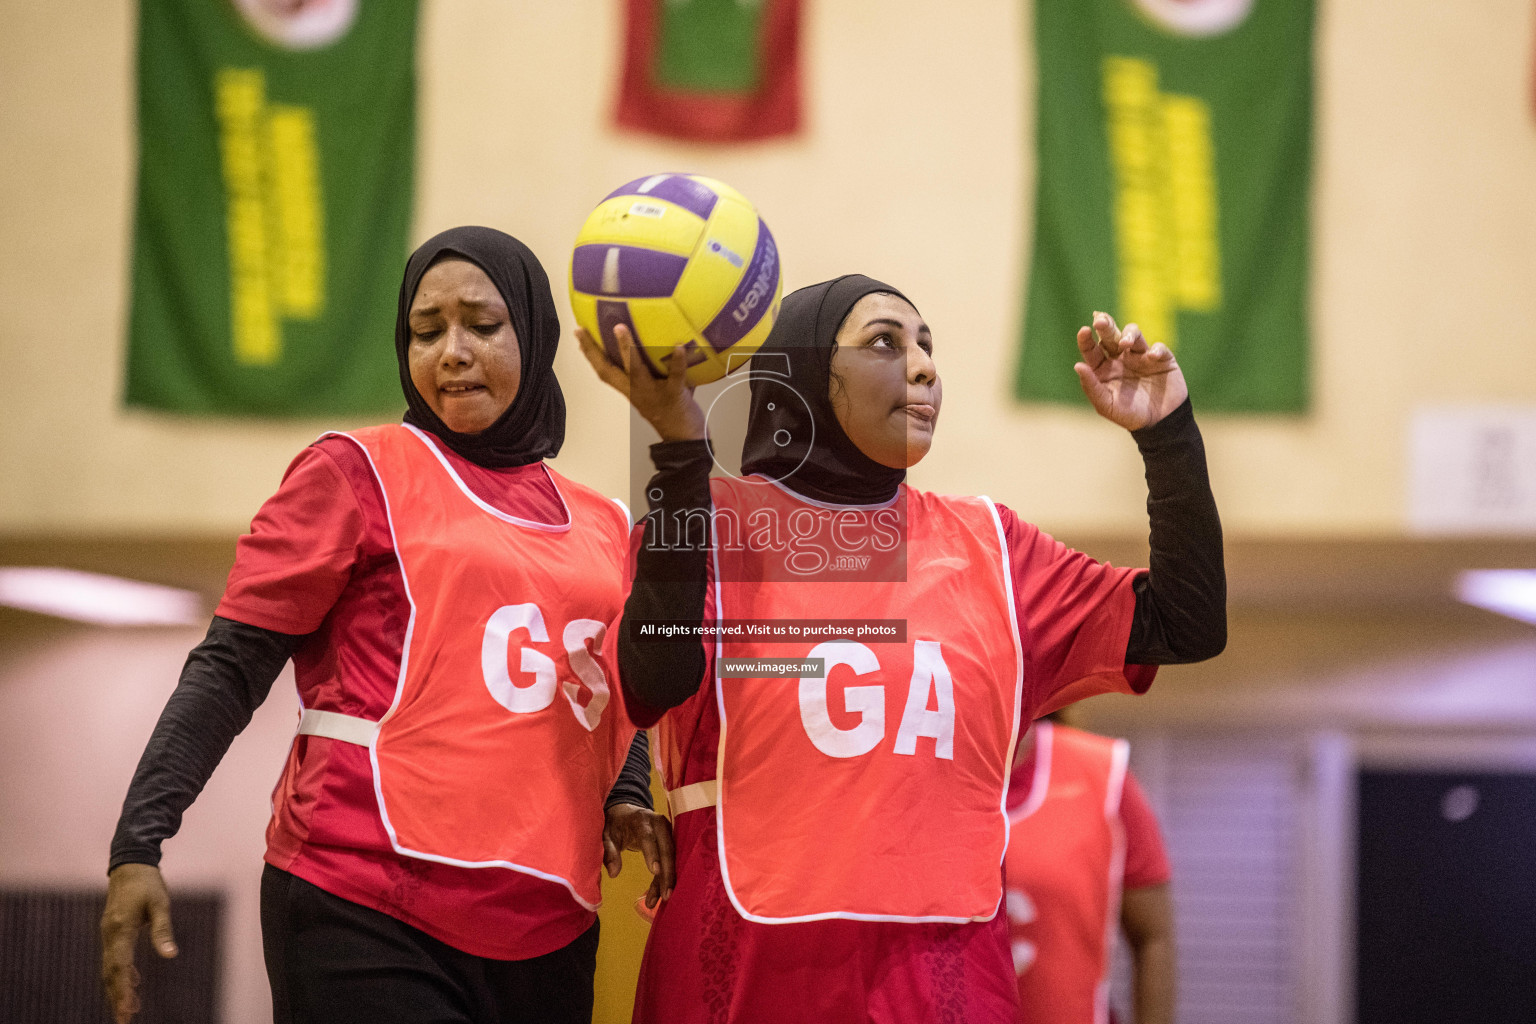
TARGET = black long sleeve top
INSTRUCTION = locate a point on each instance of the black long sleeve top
(1180, 614)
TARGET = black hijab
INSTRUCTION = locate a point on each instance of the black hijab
(798, 441)
(533, 427)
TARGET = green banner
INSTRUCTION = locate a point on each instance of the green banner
(276, 164)
(1174, 165)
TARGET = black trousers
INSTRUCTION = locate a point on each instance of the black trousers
(331, 961)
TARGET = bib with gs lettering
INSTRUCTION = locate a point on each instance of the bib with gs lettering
(504, 737)
(878, 791)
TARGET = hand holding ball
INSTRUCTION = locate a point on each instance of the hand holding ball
(679, 260)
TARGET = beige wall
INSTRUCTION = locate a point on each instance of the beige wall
(914, 168)
(76, 707)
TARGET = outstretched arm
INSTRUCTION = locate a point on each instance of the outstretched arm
(1181, 603)
(224, 681)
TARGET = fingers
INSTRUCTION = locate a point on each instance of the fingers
(666, 854)
(120, 977)
(648, 849)
(613, 860)
(1095, 389)
(653, 894)
(608, 373)
(638, 833)
(1131, 339)
(636, 364)
(1086, 377)
(1088, 347)
(666, 400)
(650, 834)
(136, 894)
(677, 368)
(123, 994)
(160, 934)
(1103, 341)
(118, 974)
(626, 345)
(1107, 334)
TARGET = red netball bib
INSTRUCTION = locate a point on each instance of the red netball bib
(875, 792)
(1066, 859)
(501, 744)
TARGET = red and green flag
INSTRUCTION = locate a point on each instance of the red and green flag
(711, 70)
(276, 165)
(1173, 175)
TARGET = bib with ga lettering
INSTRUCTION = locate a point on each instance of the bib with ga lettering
(503, 739)
(877, 791)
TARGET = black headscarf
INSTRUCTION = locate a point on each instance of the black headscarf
(533, 427)
(797, 440)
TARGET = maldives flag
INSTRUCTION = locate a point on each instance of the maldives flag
(712, 70)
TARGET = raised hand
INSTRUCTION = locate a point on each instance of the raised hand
(136, 896)
(1128, 381)
(630, 827)
(666, 403)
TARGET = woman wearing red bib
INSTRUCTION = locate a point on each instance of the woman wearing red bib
(459, 777)
(841, 832)
(1085, 861)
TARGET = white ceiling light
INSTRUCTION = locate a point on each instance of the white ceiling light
(1509, 592)
(103, 600)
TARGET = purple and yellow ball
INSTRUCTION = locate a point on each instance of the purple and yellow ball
(679, 259)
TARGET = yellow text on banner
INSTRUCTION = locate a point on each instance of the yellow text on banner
(274, 217)
(1165, 214)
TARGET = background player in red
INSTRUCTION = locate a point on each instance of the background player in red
(841, 860)
(1085, 860)
(439, 826)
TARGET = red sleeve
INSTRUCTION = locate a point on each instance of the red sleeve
(297, 559)
(1146, 860)
(1074, 616)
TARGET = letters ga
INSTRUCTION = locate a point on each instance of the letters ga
(930, 676)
